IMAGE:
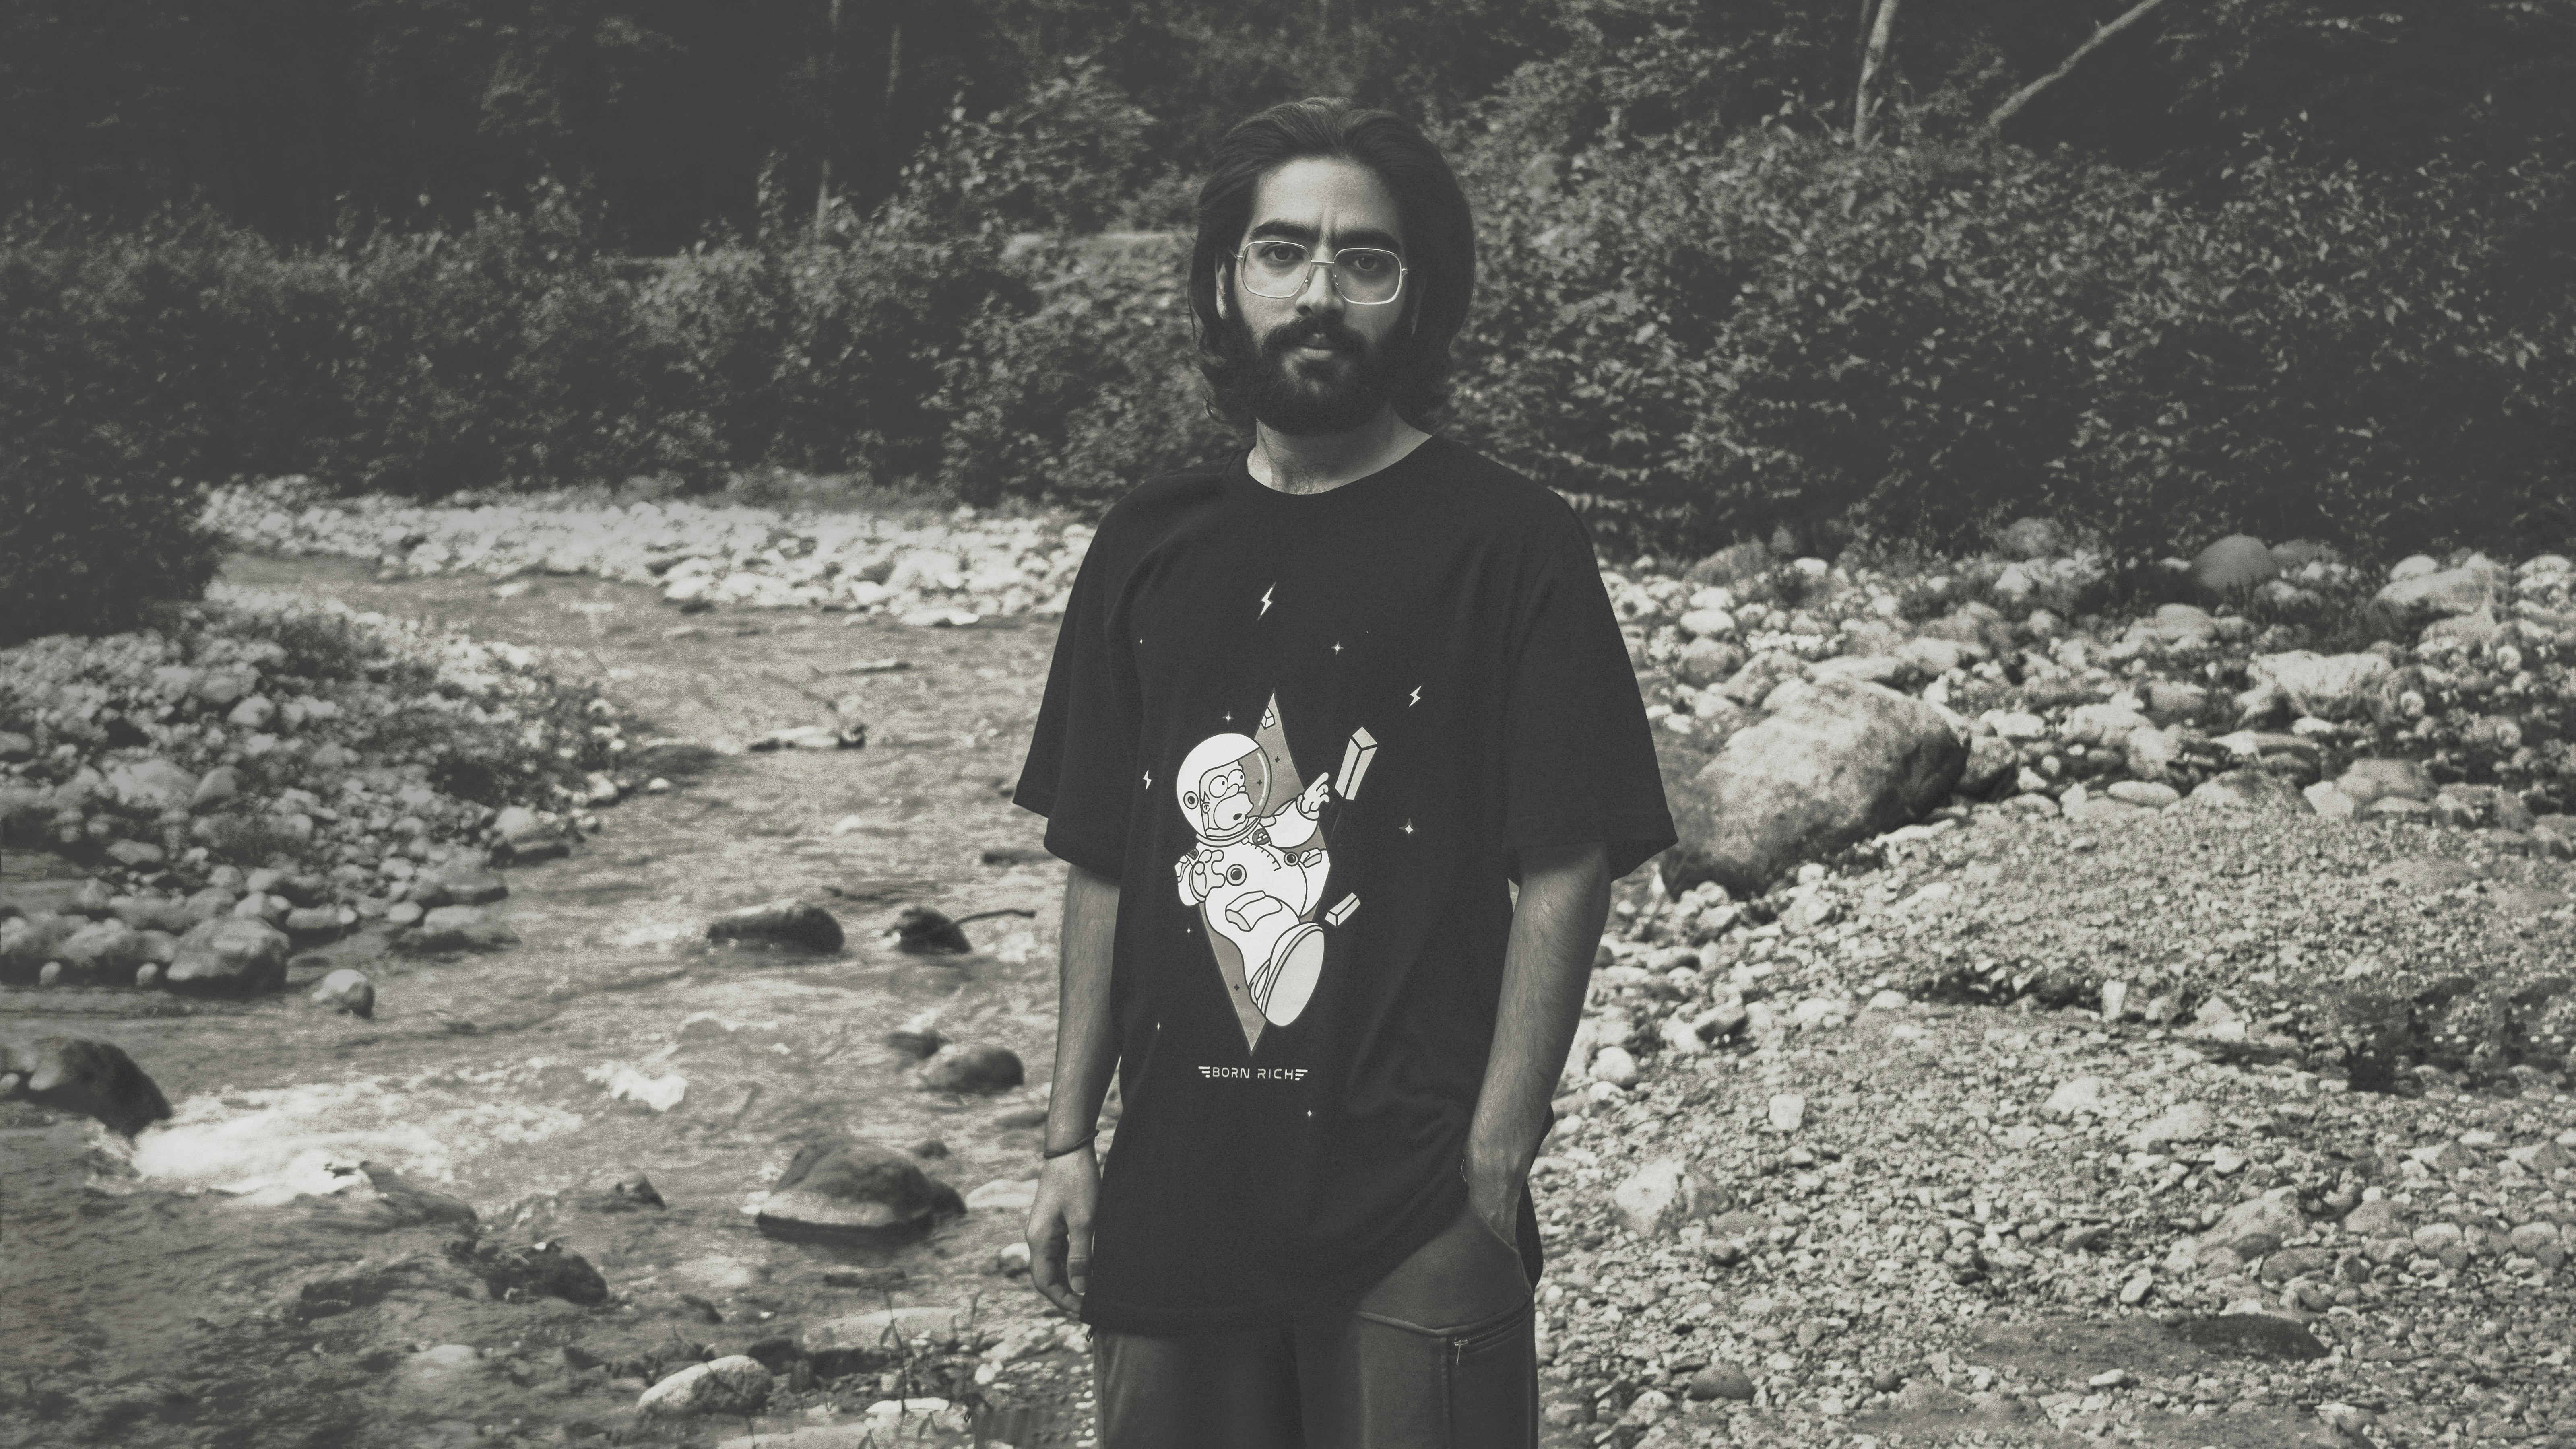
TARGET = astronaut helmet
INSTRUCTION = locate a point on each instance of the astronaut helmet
(1223, 781)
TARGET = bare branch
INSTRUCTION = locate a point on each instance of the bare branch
(2020, 98)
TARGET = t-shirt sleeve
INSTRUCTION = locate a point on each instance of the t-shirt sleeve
(1578, 756)
(1082, 752)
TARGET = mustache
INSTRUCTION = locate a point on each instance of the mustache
(1315, 331)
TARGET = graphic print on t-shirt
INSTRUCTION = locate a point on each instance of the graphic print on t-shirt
(1258, 871)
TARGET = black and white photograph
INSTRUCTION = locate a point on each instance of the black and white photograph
(1347, 724)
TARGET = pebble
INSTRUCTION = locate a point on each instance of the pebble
(733, 1385)
(346, 989)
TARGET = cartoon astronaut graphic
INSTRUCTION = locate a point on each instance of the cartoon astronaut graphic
(1257, 873)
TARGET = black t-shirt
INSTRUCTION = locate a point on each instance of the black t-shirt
(1307, 734)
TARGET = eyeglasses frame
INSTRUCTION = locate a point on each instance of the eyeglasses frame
(1333, 267)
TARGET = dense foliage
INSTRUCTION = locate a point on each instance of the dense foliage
(2289, 265)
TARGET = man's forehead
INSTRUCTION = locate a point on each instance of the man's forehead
(1329, 199)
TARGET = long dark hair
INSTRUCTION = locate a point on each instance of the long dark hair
(1439, 241)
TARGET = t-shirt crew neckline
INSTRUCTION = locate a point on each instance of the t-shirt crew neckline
(1367, 485)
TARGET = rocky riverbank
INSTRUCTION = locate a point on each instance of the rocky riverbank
(2097, 1003)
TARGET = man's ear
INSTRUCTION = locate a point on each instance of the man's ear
(1224, 285)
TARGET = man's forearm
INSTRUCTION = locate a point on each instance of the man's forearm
(1556, 928)
(1085, 1038)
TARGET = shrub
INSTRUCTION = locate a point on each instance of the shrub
(511, 352)
(1092, 390)
(1704, 342)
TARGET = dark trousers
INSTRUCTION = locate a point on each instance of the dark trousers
(1439, 1354)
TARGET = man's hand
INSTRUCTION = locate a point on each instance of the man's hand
(1060, 1228)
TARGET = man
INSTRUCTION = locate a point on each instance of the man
(1312, 710)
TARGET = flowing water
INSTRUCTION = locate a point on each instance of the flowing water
(612, 1038)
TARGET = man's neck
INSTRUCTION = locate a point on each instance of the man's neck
(1320, 462)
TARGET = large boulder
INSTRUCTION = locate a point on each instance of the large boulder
(2372, 779)
(75, 1074)
(2238, 561)
(234, 954)
(466, 880)
(1838, 761)
(843, 1190)
(100, 951)
(1761, 674)
(1708, 661)
(2328, 686)
(458, 928)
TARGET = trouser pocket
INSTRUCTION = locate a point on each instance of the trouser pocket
(1492, 1383)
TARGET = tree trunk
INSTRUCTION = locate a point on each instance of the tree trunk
(1871, 62)
(891, 150)
(2012, 104)
(823, 186)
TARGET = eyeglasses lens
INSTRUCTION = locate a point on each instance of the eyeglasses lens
(1366, 275)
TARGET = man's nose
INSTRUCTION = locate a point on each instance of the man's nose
(1318, 294)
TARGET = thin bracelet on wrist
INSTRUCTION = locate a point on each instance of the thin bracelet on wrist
(1052, 1155)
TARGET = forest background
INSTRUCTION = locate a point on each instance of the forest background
(1875, 272)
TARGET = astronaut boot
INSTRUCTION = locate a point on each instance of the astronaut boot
(1282, 984)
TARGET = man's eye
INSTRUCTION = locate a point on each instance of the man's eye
(1279, 254)
(1373, 265)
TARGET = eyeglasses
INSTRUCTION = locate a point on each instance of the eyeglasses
(1362, 276)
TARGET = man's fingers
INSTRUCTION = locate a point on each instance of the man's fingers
(1078, 1270)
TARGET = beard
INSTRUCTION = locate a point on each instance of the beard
(1304, 397)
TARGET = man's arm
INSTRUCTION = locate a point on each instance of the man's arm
(1556, 928)
(1085, 1056)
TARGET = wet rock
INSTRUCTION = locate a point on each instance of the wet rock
(458, 928)
(2250, 1335)
(975, 1068)
(229, 955)
(921, 931)
(780, 923)
(252, 712)
(377, 1198)
(521, 834)
(2238, 561)
(15, 747)
(310, 924)
(734, 1386)
(76, 1074)
(540, 1270)
(1837, 762)
(843, 1190)
(467, 880)
(346, 990)
(1707, 662)
(329, 1292)
(2371, 780)
(918, 1042)
(625, 1190)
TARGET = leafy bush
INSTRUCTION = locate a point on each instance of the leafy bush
(1088, 393)
(1707, 343)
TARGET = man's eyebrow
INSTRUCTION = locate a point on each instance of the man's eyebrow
(1296, 231)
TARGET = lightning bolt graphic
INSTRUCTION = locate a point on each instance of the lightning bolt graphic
(1417, 697)
(1265, 599)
